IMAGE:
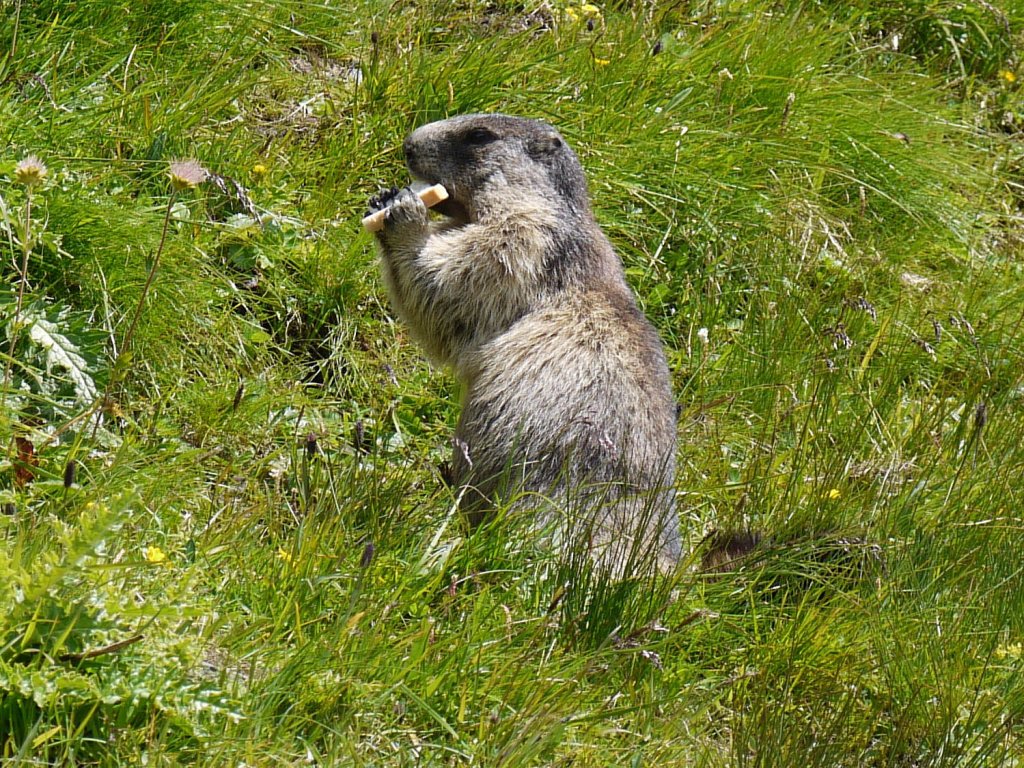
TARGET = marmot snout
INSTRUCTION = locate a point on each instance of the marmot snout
(568, 409)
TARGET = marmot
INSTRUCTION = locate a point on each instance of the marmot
(567, 403)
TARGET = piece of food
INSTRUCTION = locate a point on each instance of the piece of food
(430, 196)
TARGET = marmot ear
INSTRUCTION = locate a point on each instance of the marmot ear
(544, 145)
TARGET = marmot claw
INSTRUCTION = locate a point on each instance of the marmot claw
(382, 200)
(406, 208)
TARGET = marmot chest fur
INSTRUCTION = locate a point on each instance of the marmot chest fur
(567, 408)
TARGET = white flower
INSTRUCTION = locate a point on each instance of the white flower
(31, 171)
(186, 174)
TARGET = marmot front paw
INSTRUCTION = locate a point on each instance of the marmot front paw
(381, 200)
(406, 209)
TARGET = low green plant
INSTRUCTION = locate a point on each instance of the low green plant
(82, 671)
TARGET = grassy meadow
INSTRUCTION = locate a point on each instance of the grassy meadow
(226, 540)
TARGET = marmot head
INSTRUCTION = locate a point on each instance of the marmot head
(486, 162)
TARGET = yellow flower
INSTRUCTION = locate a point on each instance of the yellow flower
(1008, 75)
(590, 11)
(259, 170)
(602, 62)
(833, 494)
(1010, 651)
(186, 174)
(285, 555)
(154, 555)
(570, 13)
(30, 171)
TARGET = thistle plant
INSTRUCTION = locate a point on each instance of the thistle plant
(30, 172)
(183, 175)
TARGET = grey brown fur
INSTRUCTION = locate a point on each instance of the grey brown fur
(567, 406)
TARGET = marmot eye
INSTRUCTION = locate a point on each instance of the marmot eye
(480, 136)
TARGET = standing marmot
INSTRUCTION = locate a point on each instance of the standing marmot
(567, 405)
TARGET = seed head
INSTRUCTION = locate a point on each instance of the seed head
(367, 558)
(186, 174)
(981, 415)
(30, 171)
(359, 436)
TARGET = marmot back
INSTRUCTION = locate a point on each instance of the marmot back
(568, 409)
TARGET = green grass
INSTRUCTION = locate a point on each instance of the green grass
(243, 552)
